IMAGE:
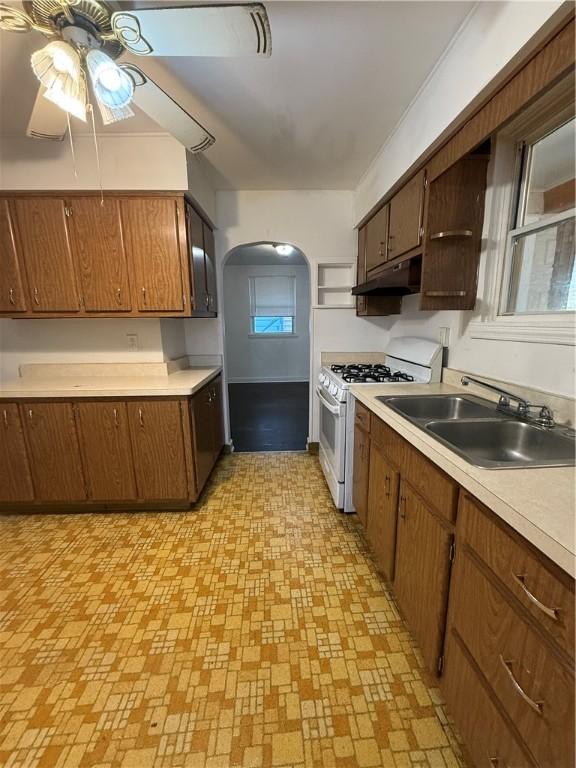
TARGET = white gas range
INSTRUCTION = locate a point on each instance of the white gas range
(408, 359)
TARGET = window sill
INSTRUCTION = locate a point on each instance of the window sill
(273, 335)
(533, 329)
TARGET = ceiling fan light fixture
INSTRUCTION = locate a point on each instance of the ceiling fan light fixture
(69, 95)
(113, 86)
(56, 60)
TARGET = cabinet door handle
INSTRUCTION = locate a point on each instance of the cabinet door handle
(552, 613)
(207, 301)
(387, 485)
(144, 299)
(115, 412)
(403, 507)
(140, 417)
(119, 295)
(537, 706)
(496, 762)
(36, 299)
(5, 417)
(11, 296)
(30, 414)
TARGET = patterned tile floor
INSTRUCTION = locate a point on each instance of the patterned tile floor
(252, 630)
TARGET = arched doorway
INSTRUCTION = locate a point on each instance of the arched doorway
(266, 307)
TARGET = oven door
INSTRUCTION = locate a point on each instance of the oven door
(332, 432)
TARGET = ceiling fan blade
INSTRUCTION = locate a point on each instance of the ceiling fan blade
(166, 112)
(47, 121)
(206, 30)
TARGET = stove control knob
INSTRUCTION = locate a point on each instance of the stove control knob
(333, 389)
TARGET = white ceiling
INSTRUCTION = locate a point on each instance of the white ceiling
(263, 254)
(313, 116)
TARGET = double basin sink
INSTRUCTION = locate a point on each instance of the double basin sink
(474, 429)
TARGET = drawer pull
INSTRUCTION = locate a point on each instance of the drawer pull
(451, 233)
(537, 706)
(552, 613)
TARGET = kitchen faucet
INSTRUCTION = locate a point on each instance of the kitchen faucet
(545, 416)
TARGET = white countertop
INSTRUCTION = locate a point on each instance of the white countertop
(177, 384)
(538, 503)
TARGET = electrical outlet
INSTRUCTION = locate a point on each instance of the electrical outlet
(133, 345)
(444, 336)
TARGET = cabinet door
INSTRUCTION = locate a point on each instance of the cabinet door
(217, 416)
(194, 226)
(15, 477)
(406, 210)
(152, 240)
(361, 468)
(158, 446)
(11, 283)
(422, 573)
(210, 253)
(98, 248)
(377, 239)
(203, 427)
(382, 510)
(105, 443)
(45, 252)
(54, 451)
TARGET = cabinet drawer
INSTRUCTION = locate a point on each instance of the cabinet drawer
(440, 491)
(546, 593)
(487, 735)
(532, 685)
(362, 417)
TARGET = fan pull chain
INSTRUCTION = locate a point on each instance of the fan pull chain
(74, 166)
(90, 109)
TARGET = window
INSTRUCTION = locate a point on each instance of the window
(272, 305)
(527, 279)
(540, 273)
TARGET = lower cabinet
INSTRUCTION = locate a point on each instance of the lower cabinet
(105, 440)
(207, 429)
(361, 474)
(108, 451)
(15, 477)
(158, 447)
(54, 452)
(492, 616)
(423, 560)
(383, 488)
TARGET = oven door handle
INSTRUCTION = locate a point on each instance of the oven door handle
(335, 409)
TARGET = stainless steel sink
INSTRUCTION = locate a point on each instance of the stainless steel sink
(435, 407)
(505, 443)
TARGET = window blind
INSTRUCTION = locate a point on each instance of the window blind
(272, 296)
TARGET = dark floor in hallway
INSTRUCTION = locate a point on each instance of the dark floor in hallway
(269, 416)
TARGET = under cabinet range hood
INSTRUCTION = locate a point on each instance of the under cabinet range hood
(395, 280)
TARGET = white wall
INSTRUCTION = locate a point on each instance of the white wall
(257, 359)
(128, 161)
(76, 341)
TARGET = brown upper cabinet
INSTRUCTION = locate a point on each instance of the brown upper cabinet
(202, 267)
(11, 281)
(152, 232)
(123, 254)
(405, 229)
(44, 246)
(97, 241)
(377, 240)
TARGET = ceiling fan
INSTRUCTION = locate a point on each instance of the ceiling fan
(86, 37)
